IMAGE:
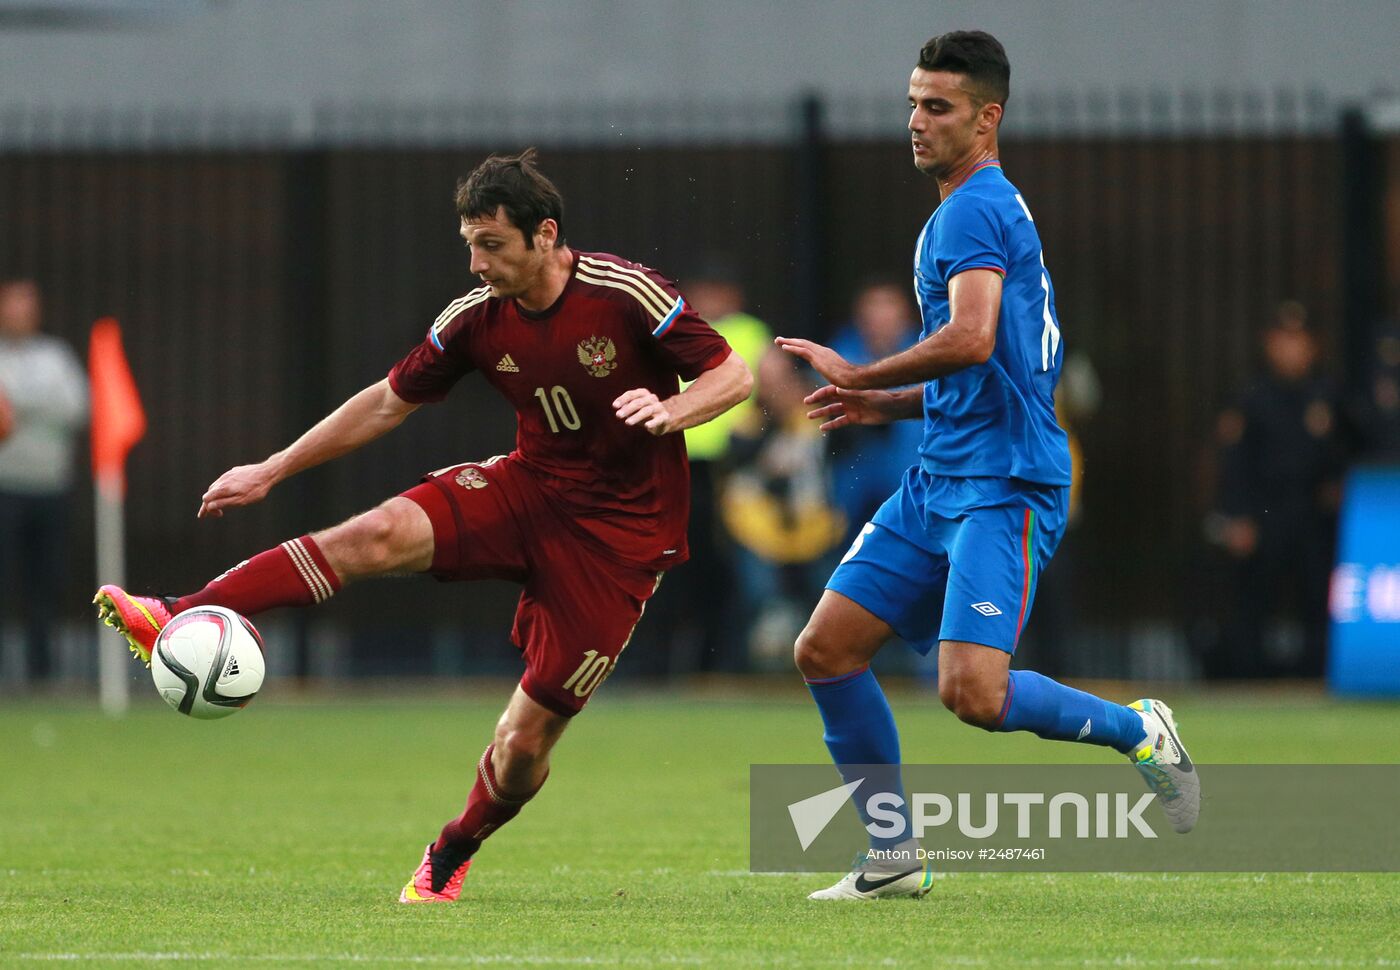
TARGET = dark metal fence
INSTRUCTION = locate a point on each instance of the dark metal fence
(260, 286)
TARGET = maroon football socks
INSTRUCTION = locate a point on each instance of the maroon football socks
(488, 808)
(295, 573)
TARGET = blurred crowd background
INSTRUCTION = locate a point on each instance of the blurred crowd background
(261, 194)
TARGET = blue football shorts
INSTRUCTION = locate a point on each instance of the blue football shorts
(955, 558)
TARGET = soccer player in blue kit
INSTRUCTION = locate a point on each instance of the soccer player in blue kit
(952, 558)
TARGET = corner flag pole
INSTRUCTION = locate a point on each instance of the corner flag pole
(118, 423)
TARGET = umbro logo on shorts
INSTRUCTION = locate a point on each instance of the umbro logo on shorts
(507, 365)
(986, 609)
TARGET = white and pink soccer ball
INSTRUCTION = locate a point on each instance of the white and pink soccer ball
(208, 662)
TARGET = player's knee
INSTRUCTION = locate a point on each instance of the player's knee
(519, 748)
(973, 700)
(364, 545)
(818, 655)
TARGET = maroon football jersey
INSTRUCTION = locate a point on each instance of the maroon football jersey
(617, 326)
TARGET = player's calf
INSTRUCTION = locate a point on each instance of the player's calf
(439, 876)
(510, 772)
(295, 573)
(522, 757)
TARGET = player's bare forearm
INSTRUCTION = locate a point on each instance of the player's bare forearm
(949, 350)
(945, 352)
(903, 404)
(372, 412)
(712, 393)
(839, 407)
(908, 403)
(969, 337)
(364, 417)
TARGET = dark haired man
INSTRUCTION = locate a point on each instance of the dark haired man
(586, 513)
(952, 557)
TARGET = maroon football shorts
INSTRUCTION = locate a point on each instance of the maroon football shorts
(492, 520)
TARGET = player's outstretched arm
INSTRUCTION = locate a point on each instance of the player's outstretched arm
(710, 395)
(970, 336)
(839, 407)
(357, 422)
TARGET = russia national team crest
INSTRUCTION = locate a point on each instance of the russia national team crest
(471, 477)
(598, 355)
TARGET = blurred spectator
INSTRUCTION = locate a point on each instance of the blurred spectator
(1283, 450)
(1379, 411)
(694, 634)
(1052, 631)
(44, 393)
(867, 467)
(777, 504)
(717, 295)
(1077, 400)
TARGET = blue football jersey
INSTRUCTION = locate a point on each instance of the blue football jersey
(995, 419)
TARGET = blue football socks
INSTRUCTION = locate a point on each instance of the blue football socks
(1051, 710)
(860, 732)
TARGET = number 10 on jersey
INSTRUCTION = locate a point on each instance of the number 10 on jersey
(558, 408)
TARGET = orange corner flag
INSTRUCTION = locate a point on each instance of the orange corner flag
(118, 420)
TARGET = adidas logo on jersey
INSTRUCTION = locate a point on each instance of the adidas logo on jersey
(507, 365)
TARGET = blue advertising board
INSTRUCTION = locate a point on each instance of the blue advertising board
(1365, 597)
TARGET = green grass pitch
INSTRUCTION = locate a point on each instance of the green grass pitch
(281, 837)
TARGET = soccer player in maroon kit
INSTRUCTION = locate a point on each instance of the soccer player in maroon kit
(587, 513)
